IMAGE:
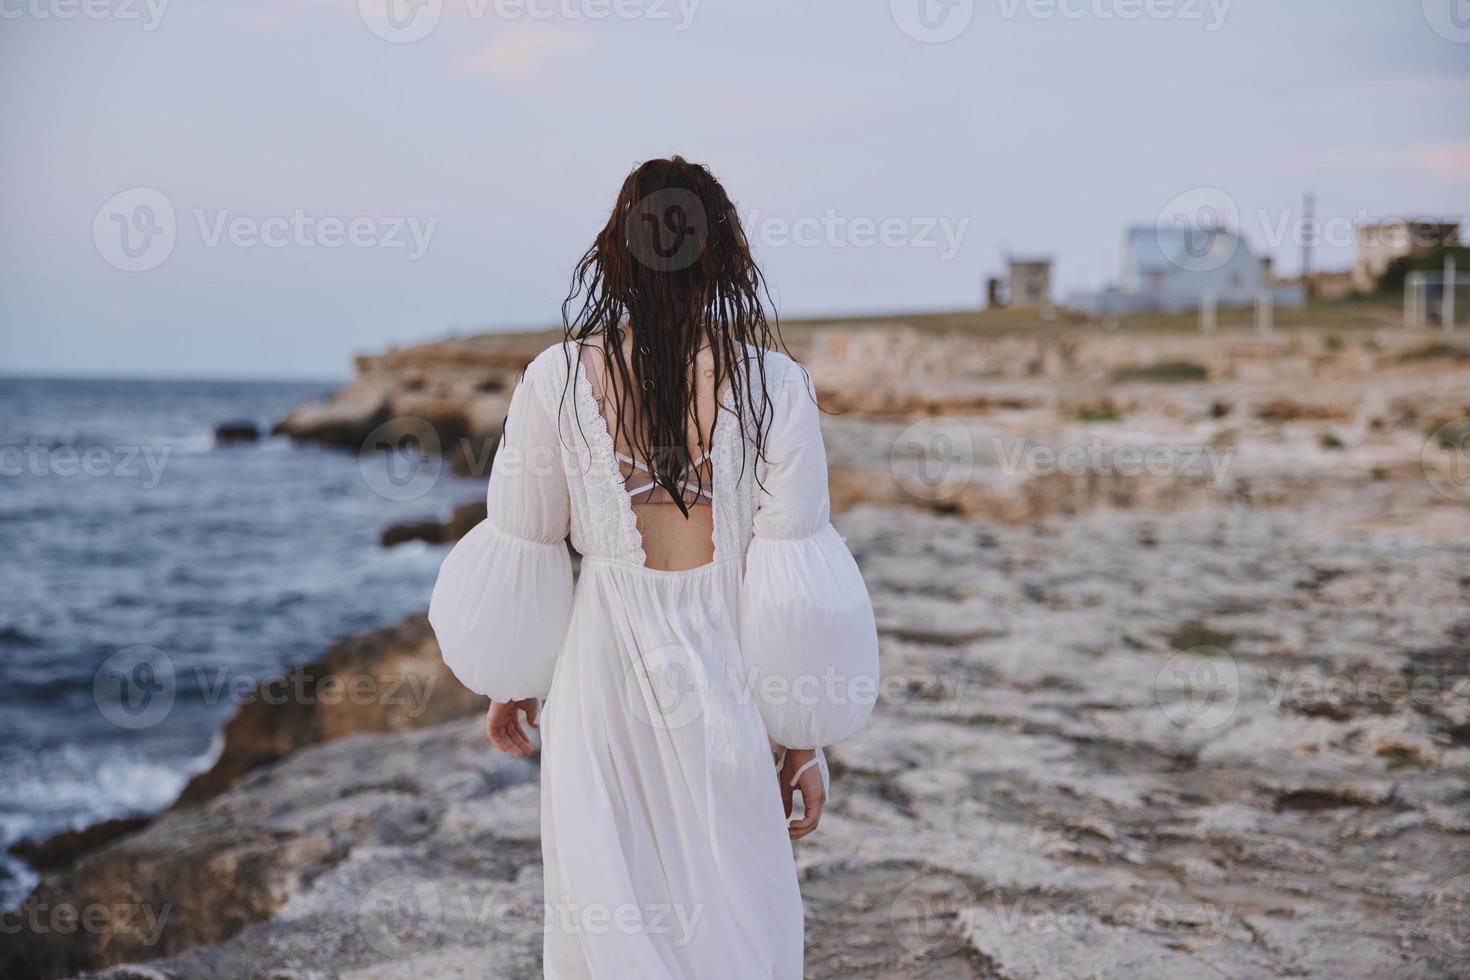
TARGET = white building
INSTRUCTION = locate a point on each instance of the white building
(1173, 268)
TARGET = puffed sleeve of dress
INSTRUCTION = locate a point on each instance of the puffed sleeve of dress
(806, 622)
(504, 594)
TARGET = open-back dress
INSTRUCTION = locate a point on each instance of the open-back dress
(663, 830)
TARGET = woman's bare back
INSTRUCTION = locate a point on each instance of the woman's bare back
(671, 540)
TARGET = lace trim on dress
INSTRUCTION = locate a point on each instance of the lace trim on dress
(616, 508)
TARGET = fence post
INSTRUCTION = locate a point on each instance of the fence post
(1207, 312)
(1447, 301)
(1263, 313)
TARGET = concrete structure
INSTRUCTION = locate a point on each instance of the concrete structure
(1030, 282)
(1332, 285)
(1380, 242)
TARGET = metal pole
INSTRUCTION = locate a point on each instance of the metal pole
(1309, 238)
(1263, 313)
(1447, 308)
(1411, 301)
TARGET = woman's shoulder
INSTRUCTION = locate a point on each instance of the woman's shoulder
(776, 368)
(552, 365)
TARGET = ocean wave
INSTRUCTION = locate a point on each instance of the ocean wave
(236, 564)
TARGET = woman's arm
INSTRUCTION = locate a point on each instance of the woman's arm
(504, 595)
(806, 623)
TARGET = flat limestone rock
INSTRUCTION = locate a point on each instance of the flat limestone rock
(1043, 946)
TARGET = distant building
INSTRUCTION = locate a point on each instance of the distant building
(1332, 285)
(1380, 242)
(1030, 282)
(1172, 269)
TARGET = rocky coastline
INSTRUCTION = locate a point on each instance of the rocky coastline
(1176, 646)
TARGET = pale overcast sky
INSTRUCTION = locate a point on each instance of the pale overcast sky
(337, 185)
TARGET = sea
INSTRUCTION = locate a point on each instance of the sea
(150, 574)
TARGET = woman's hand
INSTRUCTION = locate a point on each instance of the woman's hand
(810, 785)
(503, 725)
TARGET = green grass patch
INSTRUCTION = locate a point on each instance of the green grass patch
(1097, 410)
(1397, 758)
(1164, 371)
(1192, 636)
(1436, 351)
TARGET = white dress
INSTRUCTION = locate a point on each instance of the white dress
(665, 844)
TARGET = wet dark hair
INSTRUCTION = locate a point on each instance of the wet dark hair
(672, 268)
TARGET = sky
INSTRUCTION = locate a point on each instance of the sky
(266, 188)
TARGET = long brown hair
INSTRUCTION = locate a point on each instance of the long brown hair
(673, 268)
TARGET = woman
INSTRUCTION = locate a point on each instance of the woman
(717, 617)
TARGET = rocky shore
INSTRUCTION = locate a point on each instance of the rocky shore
(1176, 650)
(451, 396)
